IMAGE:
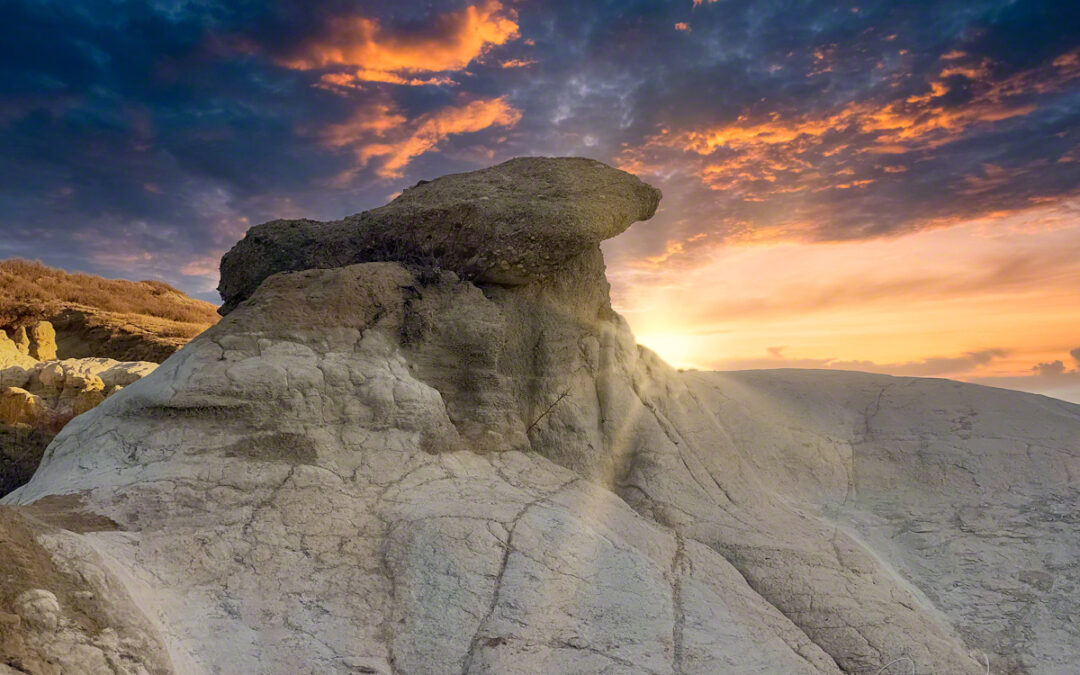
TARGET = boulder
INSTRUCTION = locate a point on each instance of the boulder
(38, 608)
(510, 224)
(18, 406)
(43, 341)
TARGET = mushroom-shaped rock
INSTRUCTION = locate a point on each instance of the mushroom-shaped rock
(509, 224)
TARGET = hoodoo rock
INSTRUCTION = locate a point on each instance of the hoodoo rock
(428, 464)
(512, 224)
(12, 354)
(43, 341)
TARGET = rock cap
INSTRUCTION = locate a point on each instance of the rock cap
(509, 224)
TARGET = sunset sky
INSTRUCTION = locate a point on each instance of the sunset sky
(883, 186)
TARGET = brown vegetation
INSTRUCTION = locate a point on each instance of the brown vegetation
(144, 320)
(30, 290)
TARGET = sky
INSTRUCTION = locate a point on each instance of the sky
(882, 186)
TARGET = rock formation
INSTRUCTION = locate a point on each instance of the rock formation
(42, 341)
(38, 398)
(13, 352)
(397, 455)
(475, 224)
(21, 340)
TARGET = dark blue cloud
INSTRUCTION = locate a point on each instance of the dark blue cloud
(136, 137)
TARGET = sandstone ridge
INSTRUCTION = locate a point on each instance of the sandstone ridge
(398, 468)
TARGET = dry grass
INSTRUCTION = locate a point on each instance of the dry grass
(31, 291)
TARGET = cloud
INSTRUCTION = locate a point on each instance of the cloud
(1050, 378)
(381, 132)
(927, 367)
(362, 49)
(518, 63)
(761, 154)
(1052, 369)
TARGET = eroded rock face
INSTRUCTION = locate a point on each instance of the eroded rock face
(386, 469)
(511, 224)
(42, 341)
(969, 492)
(12, 353)
(61, 609)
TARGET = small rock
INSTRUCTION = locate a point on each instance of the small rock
(39, 608)
(18, 406)
(87, 400)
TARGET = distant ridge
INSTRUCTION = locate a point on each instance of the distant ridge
(94, 316)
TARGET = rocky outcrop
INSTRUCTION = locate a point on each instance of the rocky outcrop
(37, 345)
(38, 398)
(13, 353)
(475, 224)
(387, 467)
(42, 341)
(22, 340)
(69, 387)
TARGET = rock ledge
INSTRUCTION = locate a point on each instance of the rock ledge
(510, 224)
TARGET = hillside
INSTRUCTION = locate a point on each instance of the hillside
(93, 316)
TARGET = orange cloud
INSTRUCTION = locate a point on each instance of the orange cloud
(756, 156)
(452, 42)
(517, 63)
(381, 132)
(340, 82)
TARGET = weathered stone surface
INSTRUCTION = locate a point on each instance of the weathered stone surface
(11, 354)
(513, 223)
(42, 341)
(18, 406)
(22, 340)
(968, 492)
(62, 610)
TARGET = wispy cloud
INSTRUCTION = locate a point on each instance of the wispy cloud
(381, 132)
(362, 49)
